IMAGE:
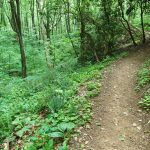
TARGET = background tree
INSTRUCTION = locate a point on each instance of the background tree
(16, 25)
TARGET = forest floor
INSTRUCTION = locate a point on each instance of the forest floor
(118, 123)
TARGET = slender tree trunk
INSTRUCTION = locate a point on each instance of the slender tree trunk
(68, 16)
(47, 26)
(15, 10)
(38, 20)
(2, 16)
(130, 32)
(33, 17)
(82, 28)
(127, 23)
(142, 22)
(107, 10)
(27, 23)
(68, 28)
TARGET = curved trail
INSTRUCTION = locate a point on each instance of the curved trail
(121, 123)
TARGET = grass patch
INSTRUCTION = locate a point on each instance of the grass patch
(143, 81)
(42, 111)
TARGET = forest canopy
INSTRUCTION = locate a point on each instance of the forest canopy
(93, 28)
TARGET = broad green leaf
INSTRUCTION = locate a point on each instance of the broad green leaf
(56, 135)
(66, 126)
(49, 145)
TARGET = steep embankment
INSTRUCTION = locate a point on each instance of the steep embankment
(118, 123)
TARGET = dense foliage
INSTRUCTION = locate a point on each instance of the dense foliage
(47, 48)
(143, 82)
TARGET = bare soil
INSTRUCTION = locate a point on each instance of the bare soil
(118, 123)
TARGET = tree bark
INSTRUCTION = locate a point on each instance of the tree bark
(142, 21)
(15, 11)
(82, 28)
(128, 25)
(33, 17)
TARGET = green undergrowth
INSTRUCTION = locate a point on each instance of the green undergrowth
(143, 82)
(93, 89)
(136, 22)
(41, 112)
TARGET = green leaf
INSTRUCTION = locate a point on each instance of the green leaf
(66, 126)
(49, 145)
(20, 133)
(64, 147)
(122, 137)
(56, 135)
(16, 121)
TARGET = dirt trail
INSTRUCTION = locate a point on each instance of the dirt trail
(118, 123)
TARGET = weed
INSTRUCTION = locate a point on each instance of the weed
(42, 110)
(143, 80)
(93, 86)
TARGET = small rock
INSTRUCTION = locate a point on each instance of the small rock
(125, 113)
(86, 142)
(139, 128)
(78, 131)
(134, 124)
(106, 141)
(81, 128)
(88, 126)
(85, 134)
(75, 138)
(139, 110)
(91, 137)
(80, 140)
(98, 124)
(143, 137)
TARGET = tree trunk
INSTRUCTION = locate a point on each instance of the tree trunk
(15, 10)
(68, 27)
(142, 22)
(68, 16)
(48, 24)
(33, 17)
(82, 28)
(128, 25)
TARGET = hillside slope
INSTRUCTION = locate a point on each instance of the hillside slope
(118, 123)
